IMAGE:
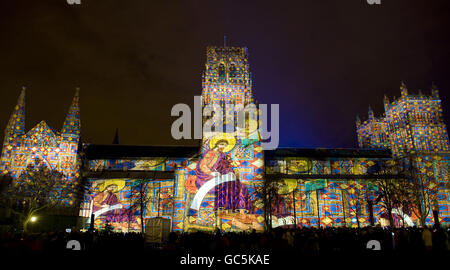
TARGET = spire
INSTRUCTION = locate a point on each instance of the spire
(71, 126)
(371, 116)
(16, 124)
(358, 121)
(386, 103)
(116, 137)
(403, 89)
(434, 90)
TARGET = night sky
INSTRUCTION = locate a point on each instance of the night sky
(323, 61)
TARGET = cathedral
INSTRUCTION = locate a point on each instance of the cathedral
(232, 183)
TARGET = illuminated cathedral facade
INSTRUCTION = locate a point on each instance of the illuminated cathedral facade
(57, 149)
(412, 124)
(230, 182)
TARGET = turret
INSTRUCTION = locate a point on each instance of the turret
(434, 91)
(371, 116)
(358, 121)
(386, 103)
(403, 90)
(72, 125)
(16, 124)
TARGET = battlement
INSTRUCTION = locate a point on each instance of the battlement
(410, 124)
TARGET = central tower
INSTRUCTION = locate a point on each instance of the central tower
(227, 77)
(223, 194)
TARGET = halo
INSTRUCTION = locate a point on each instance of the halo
(231, 140)
(118, 182)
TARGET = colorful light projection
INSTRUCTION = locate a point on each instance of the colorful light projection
(292, 202)
(334, 202)
(227, 77)
(58, 150)
(118, 201)
(224, 188)
(413, 124)
(224, 192)
(413, 127)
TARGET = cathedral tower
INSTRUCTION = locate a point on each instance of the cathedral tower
(232, 159)
(412, 124)
(227, 78)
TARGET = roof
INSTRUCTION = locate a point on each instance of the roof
(328, 152)
(111, 151)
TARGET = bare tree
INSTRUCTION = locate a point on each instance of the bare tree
(5, 181)
(391, 192)
(139, 199)
(39, 188)
(269, 193)
(422, 192)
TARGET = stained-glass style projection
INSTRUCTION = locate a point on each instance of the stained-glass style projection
(123, 202)
(231, 184)
(326, 202)
(58, 150)
(414, 130)
(118, 202)
(412, 124)
(227, 77)
(223, 191)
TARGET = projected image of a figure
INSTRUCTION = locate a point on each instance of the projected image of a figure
(217, 178)
(215, 174)
(107, 207)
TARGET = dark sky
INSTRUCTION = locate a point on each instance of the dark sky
(323, 61)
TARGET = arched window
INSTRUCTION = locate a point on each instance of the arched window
(221, 70)
(233, 71)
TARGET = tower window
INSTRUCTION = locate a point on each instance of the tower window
(233, 71)
(221, 70)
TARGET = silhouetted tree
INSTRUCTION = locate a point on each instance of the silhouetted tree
(390, 191)
(422, 191)
(36, 189)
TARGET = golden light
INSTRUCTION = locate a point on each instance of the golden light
(33, 219)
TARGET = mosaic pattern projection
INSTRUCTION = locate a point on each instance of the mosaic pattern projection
(58, 150)
(224, 188)
(344, 202)
(413, 124)
(227, 77)
(226, 184)
(118, 201)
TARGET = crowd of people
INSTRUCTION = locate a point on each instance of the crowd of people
(314, 240)
(304, 240)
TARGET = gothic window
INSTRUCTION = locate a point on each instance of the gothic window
(20, 160)
(221, 71)
(66, 162)
(233, 71)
